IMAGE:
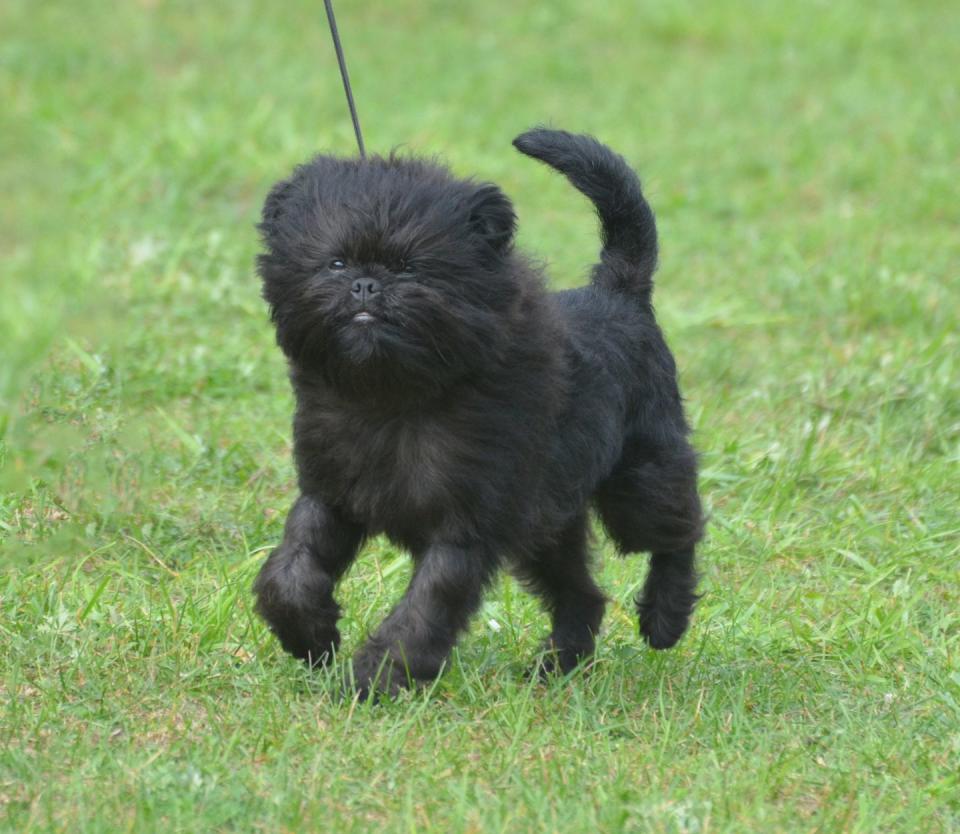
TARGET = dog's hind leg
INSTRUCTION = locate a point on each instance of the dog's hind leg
(650, 504)
(295, 586)
(559, 574)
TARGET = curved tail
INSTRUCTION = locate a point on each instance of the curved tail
(628, 228)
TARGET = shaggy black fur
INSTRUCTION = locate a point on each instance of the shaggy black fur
(446, 399)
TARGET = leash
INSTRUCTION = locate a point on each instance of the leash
(343, 74)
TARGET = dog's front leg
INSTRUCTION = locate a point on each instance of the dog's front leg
(295, 587)
(413, 642)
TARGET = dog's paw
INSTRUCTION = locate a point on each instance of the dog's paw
(377, 675)
(301, 612)
(662, 629)
(314, 643)
(558, 660)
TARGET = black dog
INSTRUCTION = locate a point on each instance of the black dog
(446, 399)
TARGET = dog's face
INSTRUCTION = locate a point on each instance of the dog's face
(387, 274)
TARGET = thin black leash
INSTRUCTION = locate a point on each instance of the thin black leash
(344, 75)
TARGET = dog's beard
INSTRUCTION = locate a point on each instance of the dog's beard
(420, 338)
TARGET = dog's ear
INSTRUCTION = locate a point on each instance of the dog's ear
(492, 216)
(274, 204)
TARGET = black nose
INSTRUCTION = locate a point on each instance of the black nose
(363, 288)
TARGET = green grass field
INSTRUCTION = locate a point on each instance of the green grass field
(803, 160)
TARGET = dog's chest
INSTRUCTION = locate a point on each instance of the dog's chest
(393, 472)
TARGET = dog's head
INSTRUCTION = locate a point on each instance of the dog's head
(387, 273)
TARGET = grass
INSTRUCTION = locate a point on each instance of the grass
(802, 159)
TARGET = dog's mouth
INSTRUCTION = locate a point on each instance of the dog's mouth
(363, 317)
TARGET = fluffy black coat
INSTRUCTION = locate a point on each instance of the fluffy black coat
(446, 399)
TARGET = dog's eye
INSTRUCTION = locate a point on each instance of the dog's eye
(404, 269)
(336, 265)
